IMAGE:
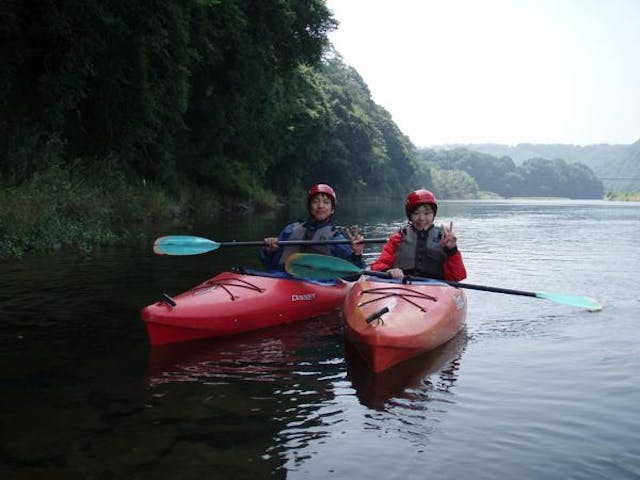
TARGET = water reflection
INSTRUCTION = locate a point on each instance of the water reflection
(372, 417)
(411, 380)
(237, 394)
(264, 355)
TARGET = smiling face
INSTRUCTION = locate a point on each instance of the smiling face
(321, 207)
(422, 217)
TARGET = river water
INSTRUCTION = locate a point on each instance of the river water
(531, 389)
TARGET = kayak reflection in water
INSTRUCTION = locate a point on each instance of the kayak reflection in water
(321, 205)
(422, 248)
(415, 379)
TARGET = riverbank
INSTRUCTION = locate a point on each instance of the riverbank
(62, 209)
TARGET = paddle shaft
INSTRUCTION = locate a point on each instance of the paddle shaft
(259, 243)
(190, 245)
(457, 284)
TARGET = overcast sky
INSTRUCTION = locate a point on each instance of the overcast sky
(498, 71)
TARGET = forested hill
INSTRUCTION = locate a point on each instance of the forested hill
(618, 166)
(241, 98)
(462, 173)
(113, 113)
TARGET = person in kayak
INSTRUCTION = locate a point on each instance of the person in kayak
(321, 205)
(422, 248)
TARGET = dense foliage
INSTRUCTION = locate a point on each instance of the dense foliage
(234, 100)
(232, 95)
(537, 177)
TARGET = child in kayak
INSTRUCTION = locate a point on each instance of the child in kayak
(321, 205)
(422, 248)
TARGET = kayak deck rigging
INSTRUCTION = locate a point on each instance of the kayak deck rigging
(224, 283)
(404, 294)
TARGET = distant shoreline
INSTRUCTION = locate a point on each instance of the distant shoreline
(623, 196)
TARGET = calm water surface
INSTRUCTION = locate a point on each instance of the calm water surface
(532, 389)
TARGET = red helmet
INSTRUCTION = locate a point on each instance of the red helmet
(322, 188)
(419, 197)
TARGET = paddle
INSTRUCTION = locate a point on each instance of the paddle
(325, 267)
(190, 245)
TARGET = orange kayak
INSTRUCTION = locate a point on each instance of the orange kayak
(389, 322)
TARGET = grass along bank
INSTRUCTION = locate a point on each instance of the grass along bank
(81, 210)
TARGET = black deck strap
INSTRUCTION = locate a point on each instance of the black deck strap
(376, 315)
(168, 300)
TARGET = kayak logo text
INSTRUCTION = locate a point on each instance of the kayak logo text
(306, 297)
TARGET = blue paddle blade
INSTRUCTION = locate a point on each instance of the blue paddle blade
(576, 301)
(319, 267)
(183, 245)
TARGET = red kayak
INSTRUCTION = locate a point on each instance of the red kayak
(236, 302)
(389, 322)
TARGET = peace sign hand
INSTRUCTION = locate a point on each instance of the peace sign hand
(356, 240)
(450, 239)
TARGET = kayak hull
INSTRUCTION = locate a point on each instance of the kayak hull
(389, 322)
(235, 302)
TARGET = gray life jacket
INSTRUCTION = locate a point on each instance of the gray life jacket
(299, 232)
(421, 253)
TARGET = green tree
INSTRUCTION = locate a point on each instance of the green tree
(454, 184)
(364, 147)
(556, 178)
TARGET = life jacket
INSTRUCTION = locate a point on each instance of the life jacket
(300, 232)
(421, 253)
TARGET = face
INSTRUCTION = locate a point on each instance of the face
(422, 217)
(320, 207)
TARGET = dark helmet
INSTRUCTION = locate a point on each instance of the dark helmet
(419, 197)
(322, 188)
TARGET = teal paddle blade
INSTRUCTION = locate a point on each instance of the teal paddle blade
(319, 267)
(575, 300)
(183, 245)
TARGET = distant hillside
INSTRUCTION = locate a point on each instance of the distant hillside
(618, 166)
